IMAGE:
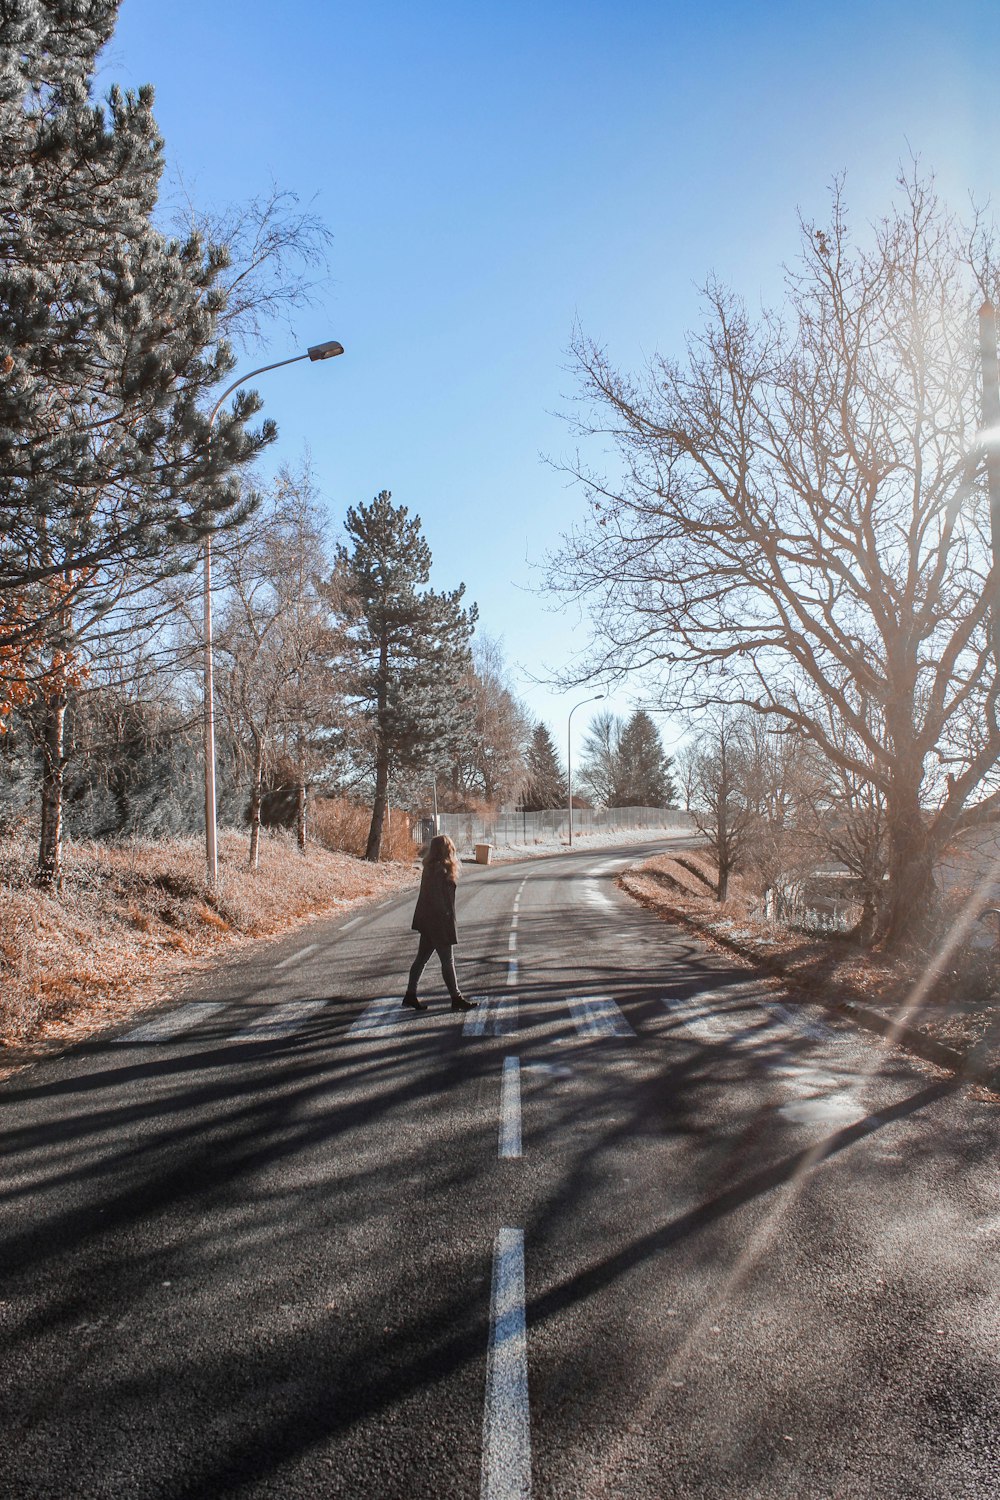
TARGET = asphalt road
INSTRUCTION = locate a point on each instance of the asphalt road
(627, 1230)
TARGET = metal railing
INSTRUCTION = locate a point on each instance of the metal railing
(550, 825)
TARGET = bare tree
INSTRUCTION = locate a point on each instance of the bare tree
(686, 769)
(280, 645)
(490, 764)
(277, 257)
(801, 526)
(600, 762)
(845, 812)
(721, 810)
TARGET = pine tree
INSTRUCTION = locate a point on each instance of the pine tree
(409, 648)
(107, 346)
(546, 782)
(645, 778)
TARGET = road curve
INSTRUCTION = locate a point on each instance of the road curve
(631, 1228)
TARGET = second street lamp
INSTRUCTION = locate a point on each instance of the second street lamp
(314, 352)
(569, 756)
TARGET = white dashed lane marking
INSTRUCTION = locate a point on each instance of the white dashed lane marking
(497, 1016)
(509, 1144)
(165, 1027)
(506, 1472)
(598, 1015)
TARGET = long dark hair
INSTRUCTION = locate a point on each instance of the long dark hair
(442, 851)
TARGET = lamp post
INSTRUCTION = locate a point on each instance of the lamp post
(569, 756)
(315, 352)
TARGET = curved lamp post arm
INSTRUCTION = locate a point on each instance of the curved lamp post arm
(315, 352)
(569, 755)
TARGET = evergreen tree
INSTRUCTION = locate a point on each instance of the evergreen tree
(108, 343)
(624, 764)
(409, 648)
(546, 779)
(645, 778)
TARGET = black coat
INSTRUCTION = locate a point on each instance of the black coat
(434, 916)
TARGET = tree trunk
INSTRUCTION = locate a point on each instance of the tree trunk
(373, 850)
(256, 797)
(722, 840)
(300, 816)
(912, 893)
(49, 874)
(867, 927)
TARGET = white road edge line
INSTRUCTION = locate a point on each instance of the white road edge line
(506, 1473)
(297, 957)
(164, 1027)
(509, 1144)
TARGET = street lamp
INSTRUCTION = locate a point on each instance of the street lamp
(315, 352)
(569, 757)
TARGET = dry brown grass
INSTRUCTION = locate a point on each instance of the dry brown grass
(343, 826)
(130, 919)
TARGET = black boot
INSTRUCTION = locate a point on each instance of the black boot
(459, 1002)
(413, 1002)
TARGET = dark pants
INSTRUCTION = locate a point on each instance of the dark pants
(427, 947)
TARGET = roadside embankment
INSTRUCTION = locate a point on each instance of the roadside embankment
(943, 1006)
(132, 919)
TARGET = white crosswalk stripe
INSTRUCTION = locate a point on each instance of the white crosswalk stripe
(280, 1020)
(598, 1015)
(704, 1024)
(710, 1015)
(166, 1027)
(383, 1014)
(797, 1021)
(495, 1015)
(296, 958)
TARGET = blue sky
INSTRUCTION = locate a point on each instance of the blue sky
(492, 174)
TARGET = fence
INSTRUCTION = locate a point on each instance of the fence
(550, 826)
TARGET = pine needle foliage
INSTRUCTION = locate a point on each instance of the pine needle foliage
(408, 649)
(109, 349)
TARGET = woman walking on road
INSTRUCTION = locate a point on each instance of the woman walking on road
(434, 919)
